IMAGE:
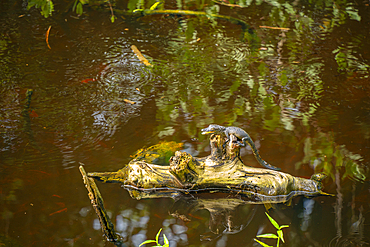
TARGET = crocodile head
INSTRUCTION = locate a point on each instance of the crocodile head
(213, 128)
(318, 176)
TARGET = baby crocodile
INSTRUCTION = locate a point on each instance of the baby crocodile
(240, 134)
(318, 177)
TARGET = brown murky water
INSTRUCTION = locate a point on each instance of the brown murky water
(303, 95)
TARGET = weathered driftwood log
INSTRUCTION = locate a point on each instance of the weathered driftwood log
(221, 171)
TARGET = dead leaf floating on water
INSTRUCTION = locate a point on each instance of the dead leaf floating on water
(47, 37)
(129, 101)
(140, 56)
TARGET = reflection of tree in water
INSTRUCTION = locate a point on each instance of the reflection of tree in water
(280, 85)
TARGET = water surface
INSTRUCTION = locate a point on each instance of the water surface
(302, 94)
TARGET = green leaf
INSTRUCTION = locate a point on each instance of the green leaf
(157, 237)
(47, 8)
(267, 235)
(276, 225)
(147, 242)
(74, 5)
(283, 226)
(79, 9)
(281, 236)
(262, 243)
(166, 242)
(30, 4)
(154, 6)
(353, 13)
(113, 18)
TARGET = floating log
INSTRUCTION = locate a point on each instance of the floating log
(219, 183)
(221, 171)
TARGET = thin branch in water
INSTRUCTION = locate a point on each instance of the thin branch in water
(279, 28)
(113, 17)
(227, 4)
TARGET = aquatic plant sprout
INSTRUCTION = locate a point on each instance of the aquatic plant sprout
(279, 236)
(165, 239)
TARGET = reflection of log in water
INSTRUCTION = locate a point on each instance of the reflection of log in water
(227, 215)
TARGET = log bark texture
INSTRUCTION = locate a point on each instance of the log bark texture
(221, 171)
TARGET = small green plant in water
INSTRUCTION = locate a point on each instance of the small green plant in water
(271, 235)
(166, 242)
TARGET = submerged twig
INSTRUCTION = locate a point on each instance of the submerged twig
(113, 17)
(278, 28)
(98, 205)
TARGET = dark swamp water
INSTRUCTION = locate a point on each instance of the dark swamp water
(303, 95)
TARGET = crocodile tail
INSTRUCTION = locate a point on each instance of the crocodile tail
(267, 165)
(257, 155)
